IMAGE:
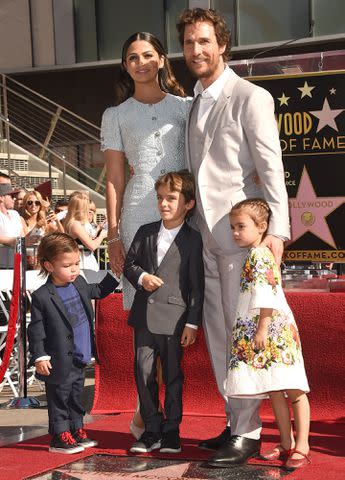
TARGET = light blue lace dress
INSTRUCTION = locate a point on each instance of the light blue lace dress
(152, 137)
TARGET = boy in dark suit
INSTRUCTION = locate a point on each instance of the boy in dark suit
(61, 340)
(165, 265)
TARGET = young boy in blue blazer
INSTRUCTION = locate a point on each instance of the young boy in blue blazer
(61, 338)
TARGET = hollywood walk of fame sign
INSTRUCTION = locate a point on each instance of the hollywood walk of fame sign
(310, 113)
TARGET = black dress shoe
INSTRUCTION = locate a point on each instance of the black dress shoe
(235, 452)
(216, 442)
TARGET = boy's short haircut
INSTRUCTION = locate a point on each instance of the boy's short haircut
(181, 181)
(52, 246)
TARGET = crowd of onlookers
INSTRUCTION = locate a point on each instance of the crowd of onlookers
(27, 214)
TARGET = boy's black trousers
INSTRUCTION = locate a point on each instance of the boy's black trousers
(65, 408)
(148, 346)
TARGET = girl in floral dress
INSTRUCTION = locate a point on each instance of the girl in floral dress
(266, 356)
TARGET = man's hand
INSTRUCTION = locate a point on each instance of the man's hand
(276, 245)
(150, 282)
(188, 336)
(43, 367)
(260, 340)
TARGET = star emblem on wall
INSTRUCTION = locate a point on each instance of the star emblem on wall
(326, 116)
(306, 90)
(283, 99)
(308, 211)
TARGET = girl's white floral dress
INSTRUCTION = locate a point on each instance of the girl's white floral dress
(280, 366)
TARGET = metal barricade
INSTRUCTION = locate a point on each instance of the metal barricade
(17, 375)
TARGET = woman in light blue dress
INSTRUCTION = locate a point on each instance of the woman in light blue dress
(146, 128)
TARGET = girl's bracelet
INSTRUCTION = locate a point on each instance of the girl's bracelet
(113, 240)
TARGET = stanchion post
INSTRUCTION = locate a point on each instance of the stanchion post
(22, 401)
(22, 353)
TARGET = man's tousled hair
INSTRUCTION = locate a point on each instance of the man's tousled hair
(195, 15)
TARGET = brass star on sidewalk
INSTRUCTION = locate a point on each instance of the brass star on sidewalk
(283, 99)
(170, 472)
(306, 90)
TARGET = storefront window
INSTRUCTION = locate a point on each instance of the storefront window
(264, 21)
(227, 9)
(173, 9)
(85, 30)
(329, 17)
(116, 21)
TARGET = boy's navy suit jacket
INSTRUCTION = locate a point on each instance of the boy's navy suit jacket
(50, 331)
(180, 299)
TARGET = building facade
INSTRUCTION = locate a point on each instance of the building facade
(70, 50)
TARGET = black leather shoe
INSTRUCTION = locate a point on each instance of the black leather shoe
(237, 451)
(216, 442)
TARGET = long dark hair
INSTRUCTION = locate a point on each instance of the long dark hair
(124, 88)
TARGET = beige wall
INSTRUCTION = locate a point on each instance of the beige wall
(15, 35)
(42, 32)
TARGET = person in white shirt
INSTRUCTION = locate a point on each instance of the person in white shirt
(233, 150)
(164, 264)
(10, 225)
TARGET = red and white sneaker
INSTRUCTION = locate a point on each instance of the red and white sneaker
(65, 443)
(82, 439)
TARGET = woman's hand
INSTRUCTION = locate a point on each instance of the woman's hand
(51, 217)
(117, 255)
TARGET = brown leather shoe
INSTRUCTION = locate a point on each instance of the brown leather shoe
(277, 453)
(294, 463)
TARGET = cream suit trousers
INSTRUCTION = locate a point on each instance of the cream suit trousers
(222, 282)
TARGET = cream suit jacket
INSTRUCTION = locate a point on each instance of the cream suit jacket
(240, 139)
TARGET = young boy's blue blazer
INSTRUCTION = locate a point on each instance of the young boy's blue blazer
(50, 331)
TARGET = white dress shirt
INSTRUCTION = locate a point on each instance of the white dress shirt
(209, 96)
(164, 240)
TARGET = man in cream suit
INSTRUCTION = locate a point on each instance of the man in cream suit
(233, 150)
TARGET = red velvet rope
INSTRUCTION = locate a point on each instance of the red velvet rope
(12, 321)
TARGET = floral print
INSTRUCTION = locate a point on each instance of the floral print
(280, 366)
(283, 343)
(259, 269)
